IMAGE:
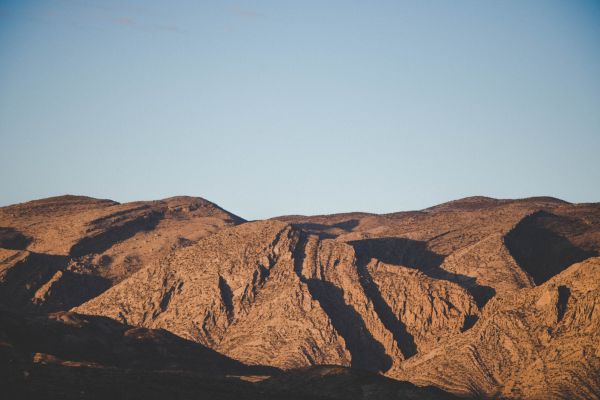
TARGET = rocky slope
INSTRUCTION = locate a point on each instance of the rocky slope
(58, 252)
(466, 296)
(267, 293)
(487, 246)
(541, 342)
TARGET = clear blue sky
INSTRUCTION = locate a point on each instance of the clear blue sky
(275, 107)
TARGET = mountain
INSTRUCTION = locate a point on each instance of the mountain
(464, 297)
(58, 252)
(267, 293)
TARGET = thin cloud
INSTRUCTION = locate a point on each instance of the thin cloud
(245, 13)
(127, 21)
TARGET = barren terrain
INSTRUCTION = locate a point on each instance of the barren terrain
(477, 297)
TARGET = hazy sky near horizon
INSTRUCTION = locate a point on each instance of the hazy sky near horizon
(276, 107)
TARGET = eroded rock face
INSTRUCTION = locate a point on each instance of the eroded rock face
(267, 293)
(541, 342)
(476, 296)
(206, 290)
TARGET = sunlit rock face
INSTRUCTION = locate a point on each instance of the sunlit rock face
(477, 297)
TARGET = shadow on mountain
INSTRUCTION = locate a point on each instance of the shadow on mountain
(334, 382)
(115, 233)
(323, 231)
(540, 250)
(367, 353)
(72, 356)
(21, 281)
(11, 238)
(415, 254)
(398, 251)
(67, 338)
(71, 289)
(41, 282)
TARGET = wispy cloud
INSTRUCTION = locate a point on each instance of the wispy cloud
(245, 13)
(127, 21)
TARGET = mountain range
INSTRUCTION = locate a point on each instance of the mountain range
(179, 298)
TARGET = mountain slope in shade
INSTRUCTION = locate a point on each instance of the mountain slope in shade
(541, 342)
(76, 247)
(70, 356)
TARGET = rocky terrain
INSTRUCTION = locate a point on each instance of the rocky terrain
(59, 252)
(475, 298)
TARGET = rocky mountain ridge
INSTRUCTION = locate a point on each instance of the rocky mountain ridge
(465, 296)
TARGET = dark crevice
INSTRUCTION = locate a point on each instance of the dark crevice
(563, 298)
(164, 303)
(263, 273)
(403, 338)
(470, 320)
(226, 297)
(299, 254)
(366, 352)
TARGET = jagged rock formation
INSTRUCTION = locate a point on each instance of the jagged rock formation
(478, 296)
(267, 293)
(541, 342)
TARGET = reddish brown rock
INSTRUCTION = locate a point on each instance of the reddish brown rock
(477, 296)
(541, 342)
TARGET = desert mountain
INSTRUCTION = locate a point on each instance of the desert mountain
(478, 296)
(58, 252)
(541, 342)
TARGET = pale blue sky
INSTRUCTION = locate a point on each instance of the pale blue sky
(272, 107)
